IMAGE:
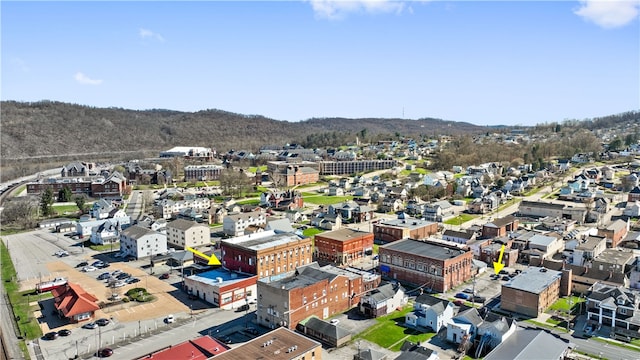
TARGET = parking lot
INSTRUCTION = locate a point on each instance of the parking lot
(35, 261)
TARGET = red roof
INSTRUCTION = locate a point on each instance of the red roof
(72, 300)
(201, 348)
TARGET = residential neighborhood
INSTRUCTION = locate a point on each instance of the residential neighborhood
(332, 256)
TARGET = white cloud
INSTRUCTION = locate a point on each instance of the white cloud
(609, 13)
(85, 80)
(338, 9)
(148, 34)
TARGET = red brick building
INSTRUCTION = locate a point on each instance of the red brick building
(112, 186)
(343, 246)
(436, 265)
(500, 227)
(266, 253)
(311, 290)
(396, 229)
(615, 232)
(300, 175)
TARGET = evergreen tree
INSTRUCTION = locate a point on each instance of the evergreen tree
(46, 202)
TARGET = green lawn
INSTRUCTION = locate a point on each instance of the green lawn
(388, 334)
(249, 202)
(547, 325)
(27, 324)
(375, 248)
(566, 303)
(255, 169)
(311, 232)
(65, 209)
(326, 200)
(460, 219)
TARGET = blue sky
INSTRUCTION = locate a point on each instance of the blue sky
(487, 63)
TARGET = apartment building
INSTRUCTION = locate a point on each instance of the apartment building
(531, 292)
(183, 233)
(202, 172)
(343, 246)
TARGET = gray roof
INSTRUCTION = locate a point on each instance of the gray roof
(542, 240)
(329, 330)
(382, 293)
(425, 249)
(280, 225)
(534, 280)
(469, 316)
(527, 344)
(343, 234)
(137, 231)
(617, 225)
(182, 224)
(458, 234)
(409, 223)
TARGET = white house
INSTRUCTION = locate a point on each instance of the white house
(108, 232)
(430, 311)
(383, 300)
(235, 224)
(464, 326)
(140, 242)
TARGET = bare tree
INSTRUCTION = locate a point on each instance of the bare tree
(21, 212)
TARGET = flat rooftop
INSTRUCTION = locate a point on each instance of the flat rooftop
(278, 344)
(426, 249)
(406, 223)
(220, 277)
(343, 234)
(533, 280)
(263, 240)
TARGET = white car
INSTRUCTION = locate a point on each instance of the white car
(62, 253)
(334, 321)
(169, 319)
(89, 268)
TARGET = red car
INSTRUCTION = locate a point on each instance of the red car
(106, 352)
(164, 276)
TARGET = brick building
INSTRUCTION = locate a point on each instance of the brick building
(310, 290)
(396, 229)
(615, 232)
(266, 253)
(112, 186)
(343, 246)
(500, 227)
(294, 175)
(202, 172)
(438, 265)
(222, 288)
(531, 292)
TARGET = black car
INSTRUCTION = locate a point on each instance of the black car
(103, 322)
(106, 352)
(504, 272)
(132, 280)
(123, 276)
(64, 332)
(506, 278)
(82, 264)
(479, 299)
(51, 335)
(104, 276)
(252, 330)
(225, 339)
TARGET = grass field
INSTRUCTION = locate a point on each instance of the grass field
(311, 232)
(388, 334)
(460, 219)
(326, 200)
(567, 303)
(249, 202)
(27, 324)
(66, 209)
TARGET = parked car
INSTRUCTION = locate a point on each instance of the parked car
(468, 290)
(89, 268)
(252, 330)
(114, 297)
(61, 253)
(334, 321)
(116, 272)
(104, 276)
(120, 283)
(169, 319)
(82, 264)
(512, 275)
(459, 302)
(122, 276)
(132, 280)
(479, 299)
(51, 335)
(97, 263)
(243, 307)
(463, 296)
(504, 272)
(164, 276)
(506, 278)
(64, 332)
(103, 265)
(225, 339)
(495, 276)
(91, 325)
(103, 322)
(106, 352)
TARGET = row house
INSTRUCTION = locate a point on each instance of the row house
(235, 224)
(344, 246)
(436, 265)
(182, 234)
(202, 172)
(266, 253)
(309, 291)
(393, 230)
